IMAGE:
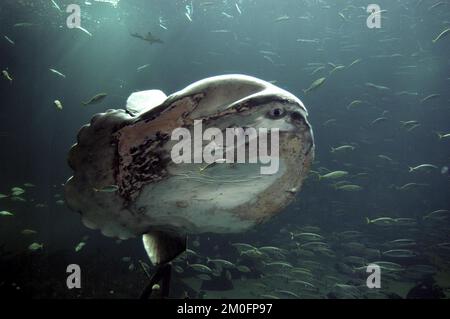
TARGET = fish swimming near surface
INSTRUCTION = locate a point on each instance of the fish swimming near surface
(337, 68)
(220, 31)
(96, 99)
(382, 221)
(142, 67)
(430, 97)
(441, 35)
(84, 30)
(36, 246)
(229, 16)
(55, 5)
(7, 76)
(385, 157)
(423, 167)
(107, 189)
(377, 87)
(79, 246)
(318, 69)
(438, 214)
(349, 188)
(316, 84)
(378, 120)
(188, 16)
(282, 18)
(354, 103)
(58, 73)
(354, 62)
(408, 123)
(58, 104)
(6, 213)
(23, 25)
(437, 4)
(342, 148)
(238, 9)
(334, 175)
(149, 37)
(9, 40)
(400, 253)
(16, 191)
(136, 150)
(308, 41)
(443, 136)
(410, 186)
(28, 232)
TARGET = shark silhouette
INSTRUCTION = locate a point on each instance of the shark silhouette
(150, 38)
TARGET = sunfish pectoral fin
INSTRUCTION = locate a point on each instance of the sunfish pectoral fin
(143, 101)
(162, 247)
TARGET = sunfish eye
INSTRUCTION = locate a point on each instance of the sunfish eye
(276, 113)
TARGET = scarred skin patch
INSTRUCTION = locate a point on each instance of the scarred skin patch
(142, 159)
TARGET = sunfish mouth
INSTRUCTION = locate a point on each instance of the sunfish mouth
(139, 172)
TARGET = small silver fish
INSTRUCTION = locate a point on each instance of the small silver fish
(7, 76)
(107, 189)
(95, 99)
(55, 5)
(85, 31)
(9, 40)
(35, 246)
(16, 191)
(23, 24)
(58, 73)
(201, 268)
(400, 253)
(143, 67)
(282, 18)
(58, 104)
(430, 97)
(422, 167)
(28, 232)
(316, 84)
(79, 246)
(441, 35)
(238, 9)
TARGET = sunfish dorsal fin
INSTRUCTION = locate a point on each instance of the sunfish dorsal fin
(143, 101)
(162, 248)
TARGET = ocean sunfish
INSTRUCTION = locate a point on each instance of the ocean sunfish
(162, 199)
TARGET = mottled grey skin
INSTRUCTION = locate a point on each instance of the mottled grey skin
(131, 149)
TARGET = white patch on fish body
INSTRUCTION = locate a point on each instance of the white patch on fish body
(211, 203)
(140, 102)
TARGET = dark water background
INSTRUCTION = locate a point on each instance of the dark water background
(35, 137)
